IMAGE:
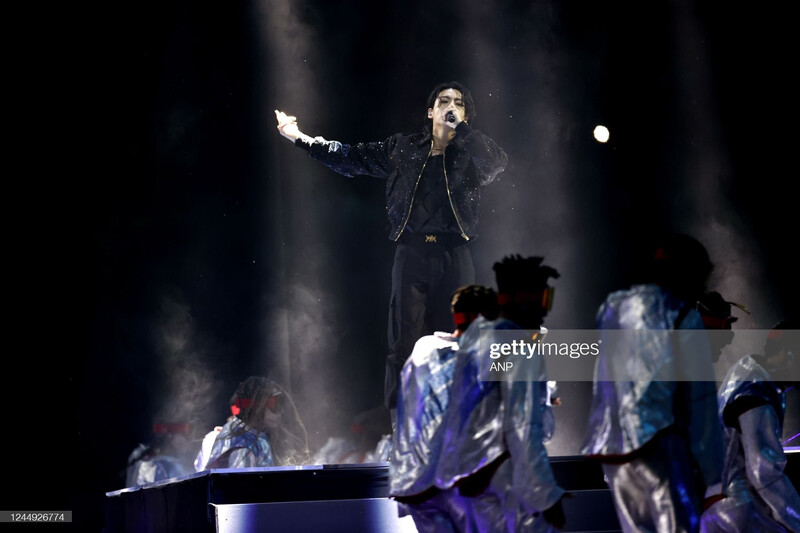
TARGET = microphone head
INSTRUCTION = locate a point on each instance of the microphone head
(450, 116)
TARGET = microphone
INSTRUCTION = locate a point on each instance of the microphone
(450, 116)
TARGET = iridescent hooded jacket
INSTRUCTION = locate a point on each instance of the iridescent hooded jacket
(639, 382)
(240, 446)
(757, 491)
(423, 400)
(490, 420)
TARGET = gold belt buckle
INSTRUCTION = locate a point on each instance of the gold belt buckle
(430, 238)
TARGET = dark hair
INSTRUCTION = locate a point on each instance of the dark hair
(516, 276)
(475, 299)
(680, 264)
(252, 397)
(469, 105)
(522, 274)
(290, 441)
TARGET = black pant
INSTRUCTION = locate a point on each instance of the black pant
(424, 278)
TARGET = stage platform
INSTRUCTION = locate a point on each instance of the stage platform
(325, 498)
(257, 497)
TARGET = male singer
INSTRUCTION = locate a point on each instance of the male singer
(433, 188)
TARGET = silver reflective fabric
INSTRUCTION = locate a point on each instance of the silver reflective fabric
(748, 378)
(640, 405)
(445, 512)
(382, 451)
(201, 458)
(549, 418)
(759, 496)
(500, 508)
(487, 419)
(655, 490)
(495, 510)
(423, 397)
(239, 446)
(156, 468)
(634, 388)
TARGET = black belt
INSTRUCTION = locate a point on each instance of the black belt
(448, 240)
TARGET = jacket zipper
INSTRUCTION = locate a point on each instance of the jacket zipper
(446, 186)
(411, 204)
(453, 207)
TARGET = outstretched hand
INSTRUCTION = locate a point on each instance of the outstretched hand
(287, 125)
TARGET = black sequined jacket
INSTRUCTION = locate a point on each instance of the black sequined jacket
(471, 160)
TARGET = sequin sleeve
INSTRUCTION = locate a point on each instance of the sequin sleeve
(489, 159)
(361, 159)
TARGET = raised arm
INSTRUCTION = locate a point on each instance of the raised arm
(489, 159)
(368, 159)
(287, 126)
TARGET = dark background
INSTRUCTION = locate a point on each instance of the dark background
(163, 242)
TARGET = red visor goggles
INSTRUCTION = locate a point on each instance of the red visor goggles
(246, 403)
(544, 298)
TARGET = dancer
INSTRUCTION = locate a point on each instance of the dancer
(493, 456)
(166, 456)
(657, 436)
(423, 400)
(261, 431)
(752, 404)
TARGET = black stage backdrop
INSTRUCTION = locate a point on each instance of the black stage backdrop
(164, 242)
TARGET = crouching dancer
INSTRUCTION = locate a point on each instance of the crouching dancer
(423, 398)
(493, 458)
(759, 496)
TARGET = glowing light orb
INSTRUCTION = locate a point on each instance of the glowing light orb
(601, 133)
